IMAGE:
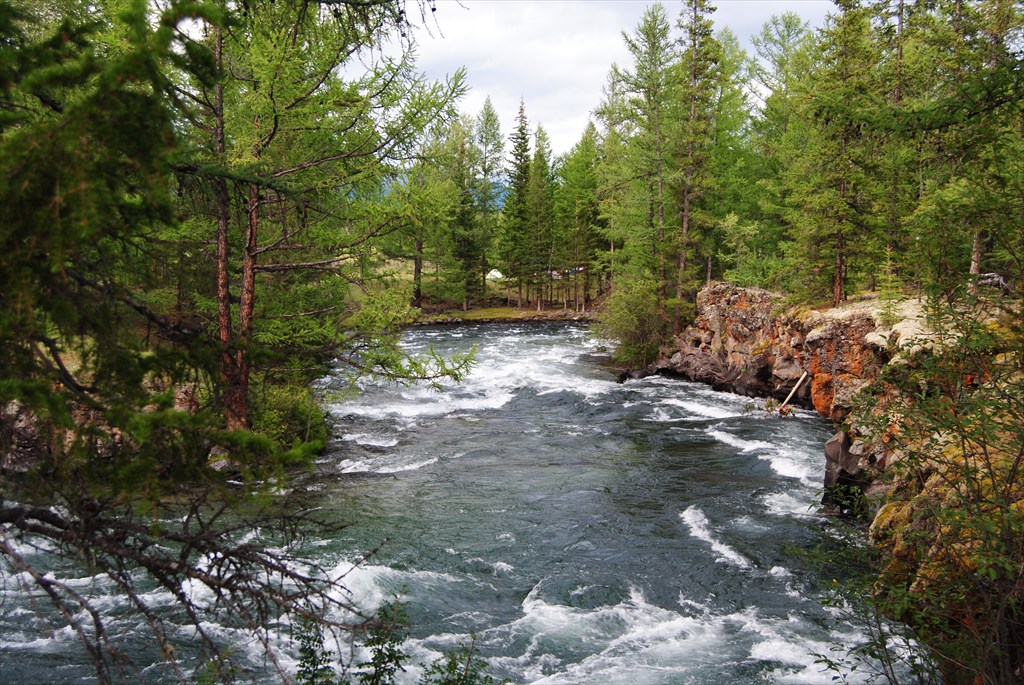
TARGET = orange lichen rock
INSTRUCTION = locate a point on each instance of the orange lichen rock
(822, 393)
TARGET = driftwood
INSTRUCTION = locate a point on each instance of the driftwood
(783, 410)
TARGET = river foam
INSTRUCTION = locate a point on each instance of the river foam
(583, 530)
(699, 527)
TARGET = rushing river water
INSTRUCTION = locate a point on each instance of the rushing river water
(587, 531)
(584, 531)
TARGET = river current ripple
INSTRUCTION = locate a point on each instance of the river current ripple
(586, 531)
(579, 530)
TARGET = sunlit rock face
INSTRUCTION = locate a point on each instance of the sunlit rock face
(750, 342)
(747, 341)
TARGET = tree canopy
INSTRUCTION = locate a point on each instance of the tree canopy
(208, 203)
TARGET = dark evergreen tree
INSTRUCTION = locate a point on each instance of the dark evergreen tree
(488, 180)
(466, 235)
(540, 210)
(698, 88)
(578, 213)
(516, 252)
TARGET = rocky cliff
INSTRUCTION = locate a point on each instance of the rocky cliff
(748, 341)
(932, 452)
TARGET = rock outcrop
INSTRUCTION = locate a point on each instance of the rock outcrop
(747, 341)
(21, 441)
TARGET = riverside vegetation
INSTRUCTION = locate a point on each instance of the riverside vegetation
(202, 201)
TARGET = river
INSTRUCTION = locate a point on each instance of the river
(583, 530)
(578, 529)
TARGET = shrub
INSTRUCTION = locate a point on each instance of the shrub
(633, 316)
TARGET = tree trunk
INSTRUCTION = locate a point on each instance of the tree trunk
(837, 280)
(684, 232)
(234, 389)
(246, 309)
(977, 249)
(417, 274)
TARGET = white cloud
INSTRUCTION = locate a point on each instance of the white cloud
(556, 54)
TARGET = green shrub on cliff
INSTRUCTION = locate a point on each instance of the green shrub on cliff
(951, 535)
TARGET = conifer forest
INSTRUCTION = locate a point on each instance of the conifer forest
(209, 205)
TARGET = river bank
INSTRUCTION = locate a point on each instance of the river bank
(929, 447)
(750, 342)
(504, 315)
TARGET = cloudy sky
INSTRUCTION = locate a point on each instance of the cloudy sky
(556, 54)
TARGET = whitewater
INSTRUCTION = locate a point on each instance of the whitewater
(574, 529)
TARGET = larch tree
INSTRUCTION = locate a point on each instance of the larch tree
(125, 148)
(969, 127)
(621, 197)
(697, 78)
(733, 196)
(648, 92)
(756, 245)
(831, 186)
(298, 162)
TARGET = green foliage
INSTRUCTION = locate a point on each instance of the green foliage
(887, 651)
(289, 414)
(459, 668)
(579, 252)
(120, 346)
(373, 345)
(633, 316)
(515, 244)
(890, 294)
(952, 533)
(387, 632)
(385, 644)
(314, 661)
(751, 253)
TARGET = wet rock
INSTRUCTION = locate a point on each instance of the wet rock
(22, 440)
(746, 341)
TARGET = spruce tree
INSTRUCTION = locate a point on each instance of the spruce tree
(467, 239)
(540, 208)
(578, 212)
(488, 182)
(515, 214)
